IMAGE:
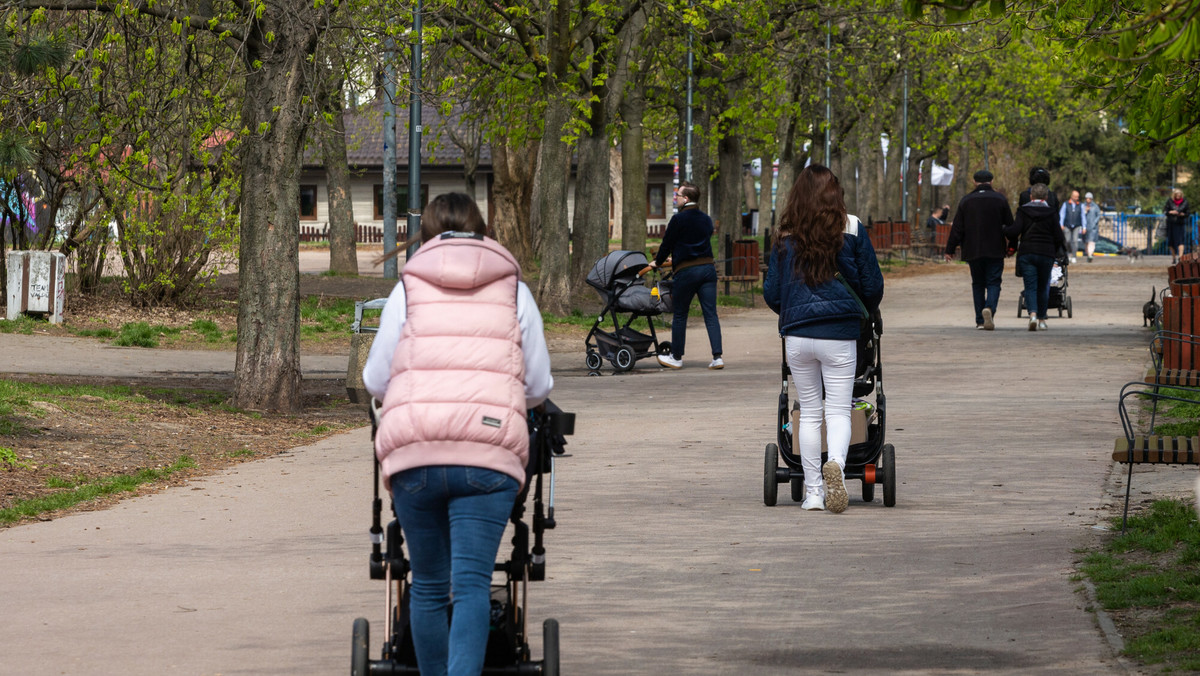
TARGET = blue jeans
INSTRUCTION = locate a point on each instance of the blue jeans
(453, 519)
(985, 284)
(699, 281)
(1036, 268)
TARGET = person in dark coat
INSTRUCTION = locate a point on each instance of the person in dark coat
(979, 227)
(1178, 211)
(1040, 241)
(820, 254)
(1040, 175)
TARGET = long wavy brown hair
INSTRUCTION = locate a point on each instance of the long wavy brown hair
(451, 211)
(814, 221)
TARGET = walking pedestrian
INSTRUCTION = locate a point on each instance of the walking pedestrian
(459, 358)
(1091, 225)
(979, 226)
(687, 242)
(1040, 175)
(1070, 216)
(1040, 240)
(820, 260)
(1177, 210)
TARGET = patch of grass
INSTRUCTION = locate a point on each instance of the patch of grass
(137, 334)
(208, 329)
(23, 324)
(90, 491)
(95, 333)
(241, 453)
(319, 315)
(1153, 569)
(730, 301)
(9, 459)
(61, 482)
(1181, 418)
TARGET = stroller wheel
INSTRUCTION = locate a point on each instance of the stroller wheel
(593, 373)
(664, 347)
(868, 491)
(797, 489)
(550, 647)
(359, 648)
(593, 361)
(770, 486)
(623, 359)
(1068, 308)
(889, 475)
(1020, 305)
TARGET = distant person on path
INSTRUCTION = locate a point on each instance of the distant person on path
(687, 242)
(979, 227)
(1070, 216)
(938, 217)
(458, 360)
(1091, 224)
(1040, 240)
(1040, 175)
(819, 320)
(1178, 212)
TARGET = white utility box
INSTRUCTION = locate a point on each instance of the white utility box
(37, 283)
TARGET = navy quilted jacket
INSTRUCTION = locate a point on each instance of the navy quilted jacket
(827, 311)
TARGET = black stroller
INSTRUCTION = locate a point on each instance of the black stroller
(1059, 298)
(617, 278)
(508, 647)
(870, 459)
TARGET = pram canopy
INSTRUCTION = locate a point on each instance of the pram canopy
(616, 267)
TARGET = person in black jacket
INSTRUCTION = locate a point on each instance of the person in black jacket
(1177, 210)
(1040, 240)
(821, 267)
(1040, 175)
(687, 242)
(979, 227)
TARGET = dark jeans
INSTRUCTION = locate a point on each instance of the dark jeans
(699, 281)
(1036, 269)
(985, 284)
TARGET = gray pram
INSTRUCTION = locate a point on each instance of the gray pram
(616, 278)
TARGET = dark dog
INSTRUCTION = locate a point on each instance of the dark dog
(1150, 310)
(1133, 252)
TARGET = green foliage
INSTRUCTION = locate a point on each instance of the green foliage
(137, 334)
(209, 329)
(95, 333)
(320, 315)
(23, 325)
(10, 461)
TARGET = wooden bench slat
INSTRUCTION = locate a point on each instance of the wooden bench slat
(1154, 449)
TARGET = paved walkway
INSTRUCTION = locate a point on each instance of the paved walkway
(665, 560)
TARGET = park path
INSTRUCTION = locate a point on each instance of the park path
(665, 560)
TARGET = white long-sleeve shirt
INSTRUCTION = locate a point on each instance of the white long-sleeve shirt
(538, 381)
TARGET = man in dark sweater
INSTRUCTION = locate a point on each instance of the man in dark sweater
(687, 243)
(979, 226)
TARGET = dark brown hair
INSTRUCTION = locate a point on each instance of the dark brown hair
(689, 191)
(814, 220)
(448, 212)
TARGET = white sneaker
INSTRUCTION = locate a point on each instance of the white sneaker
(836, 497)
(1042, 325)
(988, 324)
(813, 500)
(1033, 322)
(1072, 259)
(716, 364)
(669, 361)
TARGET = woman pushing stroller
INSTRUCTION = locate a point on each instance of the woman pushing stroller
(1041, 241)
(459, 358)
(821, 266)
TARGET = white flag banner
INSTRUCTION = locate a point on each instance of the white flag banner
(940, 175)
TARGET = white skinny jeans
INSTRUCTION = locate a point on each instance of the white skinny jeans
(815, 362)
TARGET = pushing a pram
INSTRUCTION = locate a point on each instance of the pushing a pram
(1058, 299)
(617, 277)
(508, 650)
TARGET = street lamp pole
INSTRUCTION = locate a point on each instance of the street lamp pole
(390, 270)
(414, 137)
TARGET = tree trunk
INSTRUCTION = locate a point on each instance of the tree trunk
(267, 371)
(616, 190)
(343, 245)
(633, 172)
(589, 233)
(766, 182)
(512, 189)
(550, 210)
(729, 185)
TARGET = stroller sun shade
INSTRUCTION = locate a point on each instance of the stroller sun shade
(618, 265)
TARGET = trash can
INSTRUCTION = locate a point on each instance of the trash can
(745, 258)
(37, 284)
(360, 347)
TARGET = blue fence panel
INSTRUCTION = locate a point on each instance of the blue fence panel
(1147, 232)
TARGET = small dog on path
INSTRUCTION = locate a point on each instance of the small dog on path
(1133, 253)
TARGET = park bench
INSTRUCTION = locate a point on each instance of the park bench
(1138, 447)
(743, 266)
(1174, 359)
(890, 237)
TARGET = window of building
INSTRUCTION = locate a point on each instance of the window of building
(401, 200)
(308, 202)
(656, 200)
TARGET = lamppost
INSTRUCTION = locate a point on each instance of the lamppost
(390, 270)
(414, 137)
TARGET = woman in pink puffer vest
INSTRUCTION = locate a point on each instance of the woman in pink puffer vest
(459, 358)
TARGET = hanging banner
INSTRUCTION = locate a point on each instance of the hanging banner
(940, 175)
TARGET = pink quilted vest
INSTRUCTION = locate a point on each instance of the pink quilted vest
(456, 394)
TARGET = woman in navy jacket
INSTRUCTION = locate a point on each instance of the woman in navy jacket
(819, 320)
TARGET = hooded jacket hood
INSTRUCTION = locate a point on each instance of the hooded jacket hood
(474, 263)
